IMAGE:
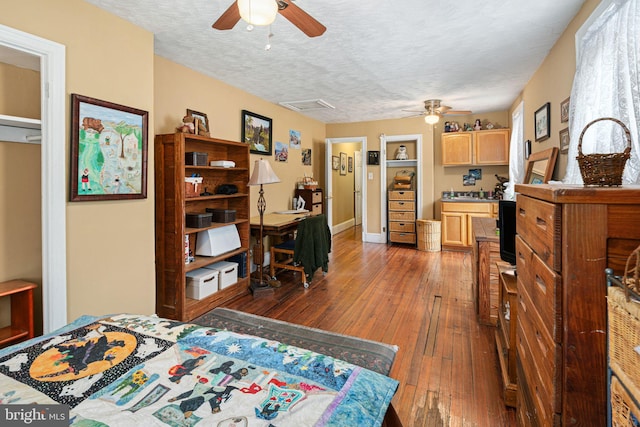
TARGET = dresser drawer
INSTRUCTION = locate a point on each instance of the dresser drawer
(396, 237)
(543, 287)
(538, 223)
(316, 197)
(403, 227)
(402, 195)
(402, 216)
(402, 206)
(541, 357)
(316, 209)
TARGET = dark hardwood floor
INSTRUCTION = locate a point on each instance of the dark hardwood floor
(420, 301)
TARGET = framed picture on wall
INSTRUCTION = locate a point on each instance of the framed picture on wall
(256, 131)
(564, 141)
(343, 163)
(350, 164)
(564, 111)
(542, 122)
(108, 150)
(335, 163)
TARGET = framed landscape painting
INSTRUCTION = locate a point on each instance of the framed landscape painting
(108, 150)
(542, 123)
(256, 131)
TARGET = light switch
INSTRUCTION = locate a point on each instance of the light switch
(370, 176)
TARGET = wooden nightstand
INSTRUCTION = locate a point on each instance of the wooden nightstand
(21, 327)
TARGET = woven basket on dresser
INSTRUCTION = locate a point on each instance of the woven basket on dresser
(603, 169)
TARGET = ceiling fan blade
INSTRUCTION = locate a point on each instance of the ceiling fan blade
(457, 112)
(229, 18)
(416, 111)
(301, 19)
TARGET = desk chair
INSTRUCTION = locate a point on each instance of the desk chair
(307, 252)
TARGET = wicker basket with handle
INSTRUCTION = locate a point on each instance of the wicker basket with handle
(603, 169)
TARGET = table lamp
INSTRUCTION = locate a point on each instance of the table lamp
(262, 174)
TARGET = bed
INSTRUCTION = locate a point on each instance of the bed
(136, 370)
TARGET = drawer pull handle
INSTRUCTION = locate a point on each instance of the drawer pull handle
(540, 342)
(541, 223)
(541, 284)
(522, 212)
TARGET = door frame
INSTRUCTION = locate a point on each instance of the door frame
(329, 180)
(383, 176)
(53, 170)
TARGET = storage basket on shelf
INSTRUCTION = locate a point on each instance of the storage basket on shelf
(624, 411)
(624, 326)
(403, 180)
(603, 169)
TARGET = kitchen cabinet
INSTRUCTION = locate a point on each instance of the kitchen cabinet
(173, 203)
(457, 217)
(482, 147)
(567, 236)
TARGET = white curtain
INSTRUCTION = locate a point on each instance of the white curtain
(607, 84)
(516, 152)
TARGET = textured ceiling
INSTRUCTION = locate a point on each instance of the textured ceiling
(376, 58)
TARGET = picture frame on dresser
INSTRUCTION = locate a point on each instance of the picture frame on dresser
(100, 131)
(257, 132)
(202, 117)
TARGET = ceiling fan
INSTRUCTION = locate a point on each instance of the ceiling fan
(433, 110)
(263, 12)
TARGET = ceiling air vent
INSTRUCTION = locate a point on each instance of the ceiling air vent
(311, 104)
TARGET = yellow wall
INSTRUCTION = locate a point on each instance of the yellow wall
(343, 186)
(110, 246)
(552, 83)
(20, 241)
(178, 88)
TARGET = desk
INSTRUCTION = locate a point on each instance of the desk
(274, 224)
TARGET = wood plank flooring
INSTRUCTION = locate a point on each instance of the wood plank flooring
(420, 301)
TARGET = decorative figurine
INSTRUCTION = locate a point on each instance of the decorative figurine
(402, 153)
(478, 125)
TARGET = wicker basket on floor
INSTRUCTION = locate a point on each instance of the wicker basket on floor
(603, 169)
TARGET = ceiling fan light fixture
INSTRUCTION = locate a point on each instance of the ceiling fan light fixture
(431, 119)
(258, 12)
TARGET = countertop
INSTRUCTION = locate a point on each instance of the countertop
(468, 200)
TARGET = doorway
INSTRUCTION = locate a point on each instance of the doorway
(359, 191)
(53, 154)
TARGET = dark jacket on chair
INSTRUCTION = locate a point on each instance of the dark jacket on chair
(313, 244)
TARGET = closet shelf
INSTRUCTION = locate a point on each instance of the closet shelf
(20, 129)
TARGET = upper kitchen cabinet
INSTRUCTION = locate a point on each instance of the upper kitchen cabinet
(483, 147)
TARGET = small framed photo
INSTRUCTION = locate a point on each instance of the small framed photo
(468, 180)
(256, 131)
(202, 118)
(350, 164)
(476, 173)
(335, 163)
(108, 150)
(343, 163)
(306, 156)
(564, 141)
(564, 111)
(282, 151)
(542, 122)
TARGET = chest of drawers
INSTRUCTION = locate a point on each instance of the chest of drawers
(567, 236)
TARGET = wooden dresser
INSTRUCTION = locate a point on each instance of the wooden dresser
(313, 200)
(567, 236)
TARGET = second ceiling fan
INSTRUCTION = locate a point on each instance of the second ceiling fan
(433, 110)
(249, 10)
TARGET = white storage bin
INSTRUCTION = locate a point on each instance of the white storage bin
(228, 273)
(202, 283)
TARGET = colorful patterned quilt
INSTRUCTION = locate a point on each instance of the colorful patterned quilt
(134, 370)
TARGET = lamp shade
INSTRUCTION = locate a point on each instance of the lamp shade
(431, 119)
(263, 174)
(258, 12)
